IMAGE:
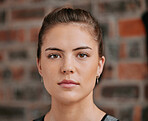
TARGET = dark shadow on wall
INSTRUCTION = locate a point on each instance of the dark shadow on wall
(145, 21)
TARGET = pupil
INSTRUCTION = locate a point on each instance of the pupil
(82, 55)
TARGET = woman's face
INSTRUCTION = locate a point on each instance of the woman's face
(69, 62)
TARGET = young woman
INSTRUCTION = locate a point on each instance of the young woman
(70, 60)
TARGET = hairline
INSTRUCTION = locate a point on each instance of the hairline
(83, 26)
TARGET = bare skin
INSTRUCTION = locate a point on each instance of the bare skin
(76, 112)
(70, 53)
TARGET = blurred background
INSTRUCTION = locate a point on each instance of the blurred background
(123, 91)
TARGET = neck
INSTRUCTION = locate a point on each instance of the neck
(82, 110)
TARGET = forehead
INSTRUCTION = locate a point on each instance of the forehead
(68, 33)
(75, 25)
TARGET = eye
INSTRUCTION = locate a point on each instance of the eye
(83, 55)
(54, 56)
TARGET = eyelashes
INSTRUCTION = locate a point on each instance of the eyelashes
(81, 55)
(53, 56)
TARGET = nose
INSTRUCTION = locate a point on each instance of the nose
(68, 66)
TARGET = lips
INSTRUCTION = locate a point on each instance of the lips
(68, 83)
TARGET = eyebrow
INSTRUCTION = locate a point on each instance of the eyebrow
(53, 48)
(57, 49)
(83, 47)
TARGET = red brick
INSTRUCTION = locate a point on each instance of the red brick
(7, 35)
(20, 35)
(34, 34)
(135, 71)
(122, 52)
(1, 56)
(137, 113)
(17, 73)
(131, 27)
(12, 35)
(108, 72)
(25, 14)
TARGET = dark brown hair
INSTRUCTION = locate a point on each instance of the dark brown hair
(70, 15)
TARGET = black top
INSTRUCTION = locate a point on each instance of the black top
(105, 118)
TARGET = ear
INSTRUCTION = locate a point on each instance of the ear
(39, 66)
(100, 65)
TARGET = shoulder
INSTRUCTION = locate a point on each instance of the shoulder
(109, 118)
(40, 119)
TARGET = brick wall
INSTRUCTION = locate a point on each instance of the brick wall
(123, 91)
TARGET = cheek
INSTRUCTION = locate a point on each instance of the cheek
(49, 69)
(91, 68)
(89, 79)
(89, 73)
(49, 78)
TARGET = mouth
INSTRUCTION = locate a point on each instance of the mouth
(68, 83)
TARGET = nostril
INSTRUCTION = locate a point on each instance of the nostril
(67, 71)
(64, 71)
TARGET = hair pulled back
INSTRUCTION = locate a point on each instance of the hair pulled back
(70, 15)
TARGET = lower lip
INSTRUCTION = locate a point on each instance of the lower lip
(68, 85)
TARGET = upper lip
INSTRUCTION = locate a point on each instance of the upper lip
(68, 82)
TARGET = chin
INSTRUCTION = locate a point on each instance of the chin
(68, 99)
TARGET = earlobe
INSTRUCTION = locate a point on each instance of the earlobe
(39, 66)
